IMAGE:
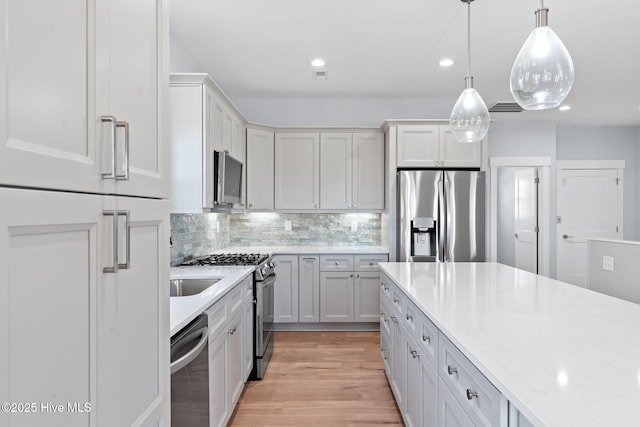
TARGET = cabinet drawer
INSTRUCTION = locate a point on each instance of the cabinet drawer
(385, 320)
(477, 396)
(369, 262)
(386, 291)
(336, 262)
(397, 301)
(427, 338)
(218, 317)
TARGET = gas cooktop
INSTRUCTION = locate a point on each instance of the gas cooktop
(228, 259)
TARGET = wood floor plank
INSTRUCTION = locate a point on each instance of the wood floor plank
(320, 379)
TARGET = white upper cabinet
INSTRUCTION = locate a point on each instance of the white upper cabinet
(94, 123)
(297, 171)
(432, 145)
(368, 171)
(336, 170)
(201, 120)
(259, 167)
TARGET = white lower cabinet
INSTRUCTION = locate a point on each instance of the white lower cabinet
(249, 308)
(285, 304)
(67, 312)
(227, 352)
(336, 297)
(433, 383)
(309, 288)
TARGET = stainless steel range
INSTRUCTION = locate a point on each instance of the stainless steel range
(264, 278)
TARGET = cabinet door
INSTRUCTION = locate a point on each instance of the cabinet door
(458, 154)
(450, 413)
(133, 361)
(336, 297)
(47, 126)
(368, 171)
(259, 167)
(285, 293)
(336, 164)
(219, 409)
(418, 145)
(422, 389)
(132, 85)
(297, 171)
(248, 327)
(48, 288)
(367, 297)
(309, 288)
(399, 367)
(235, 360)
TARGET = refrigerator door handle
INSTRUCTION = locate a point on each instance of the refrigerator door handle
(442, 220)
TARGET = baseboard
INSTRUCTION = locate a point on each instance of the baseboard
(373, 326)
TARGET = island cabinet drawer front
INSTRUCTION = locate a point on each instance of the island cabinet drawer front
(369, 262)
(336, 262)
(411, 318)
(235, 300)
(385, 319)
(397, 301)
(386, 292)
(477, 396)
(427, 339)
(218, 317)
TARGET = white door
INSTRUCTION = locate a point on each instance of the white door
(336, 297)
(335, 170)
(48, 282)
(589, 205)
(285, 292)
(131, 81)
(309, 288)
(367, 296)
(297, 171)
(368, 171)
(132, 340)
(526, 220)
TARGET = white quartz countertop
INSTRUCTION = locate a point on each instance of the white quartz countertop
(563, 355)
(183, 310)
(307, 250)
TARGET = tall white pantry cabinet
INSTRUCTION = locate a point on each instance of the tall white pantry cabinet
(84, 223)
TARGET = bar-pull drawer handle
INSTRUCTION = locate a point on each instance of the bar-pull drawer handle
(426, 338)
(395, 300)
(414, 353)
(394, 319)
(112, 123)
(125, 175)
(115, 215)
(471, 394)
(409, 316)
(452, 370)
(566, 236)
(127, 261)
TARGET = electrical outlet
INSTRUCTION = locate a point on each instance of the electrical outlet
(217, 226)
(287, 226)
(607, 263)
(354, 226)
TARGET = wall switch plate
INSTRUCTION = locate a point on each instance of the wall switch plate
(607, 263)
(287, 226)
(354, 226)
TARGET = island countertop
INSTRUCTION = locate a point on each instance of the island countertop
(563, 355)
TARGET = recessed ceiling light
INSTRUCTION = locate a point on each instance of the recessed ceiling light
(565, 108)
(446, 62)
(318, 62)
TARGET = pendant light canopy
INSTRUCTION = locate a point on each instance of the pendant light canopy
(470, 118)
(542, 74)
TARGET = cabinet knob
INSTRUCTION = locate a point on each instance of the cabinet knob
(351, 275)
(250, 205)
(395, 300)
(337, 263)
(371, 264)
(471, 394)
(452, 370)
(316, 205)
(357, 274)
(409, 316)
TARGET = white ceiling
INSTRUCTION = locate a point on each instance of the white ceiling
(390, 49)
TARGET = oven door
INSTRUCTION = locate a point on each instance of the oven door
(264, 322)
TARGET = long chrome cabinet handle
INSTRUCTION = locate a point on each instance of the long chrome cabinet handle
(127, 217)
(112, 121)
(116, 265)
(125, 126)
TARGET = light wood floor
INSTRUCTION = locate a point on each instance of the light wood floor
(320, 379)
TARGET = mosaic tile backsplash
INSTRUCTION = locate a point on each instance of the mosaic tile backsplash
(317, 229)
(197, 234)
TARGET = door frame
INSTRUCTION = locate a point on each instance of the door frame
(544, 165)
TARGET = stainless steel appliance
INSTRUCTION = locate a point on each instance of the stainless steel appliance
(227, 176)
(441, 215)
(190, 375)
(264, 278)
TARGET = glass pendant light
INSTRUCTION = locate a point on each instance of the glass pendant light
(542, 74)
(470, 117)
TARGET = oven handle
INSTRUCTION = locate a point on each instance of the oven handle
(269, 280)
(193, 353)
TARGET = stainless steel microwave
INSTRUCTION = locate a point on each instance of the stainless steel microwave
(227, 179)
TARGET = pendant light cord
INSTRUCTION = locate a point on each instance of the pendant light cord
(469, 38)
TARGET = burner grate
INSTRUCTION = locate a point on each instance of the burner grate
(228, 259)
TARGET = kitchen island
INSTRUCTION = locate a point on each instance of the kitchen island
(562, 355)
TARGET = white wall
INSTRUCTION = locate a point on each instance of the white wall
(606, 143)
(506, 217)
(637, 157)
(180, 60)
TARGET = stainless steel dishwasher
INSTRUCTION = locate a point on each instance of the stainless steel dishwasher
(190, 375)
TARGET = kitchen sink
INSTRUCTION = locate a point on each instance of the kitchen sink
(186, 287)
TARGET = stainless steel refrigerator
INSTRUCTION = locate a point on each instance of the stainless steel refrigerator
(441, 215)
